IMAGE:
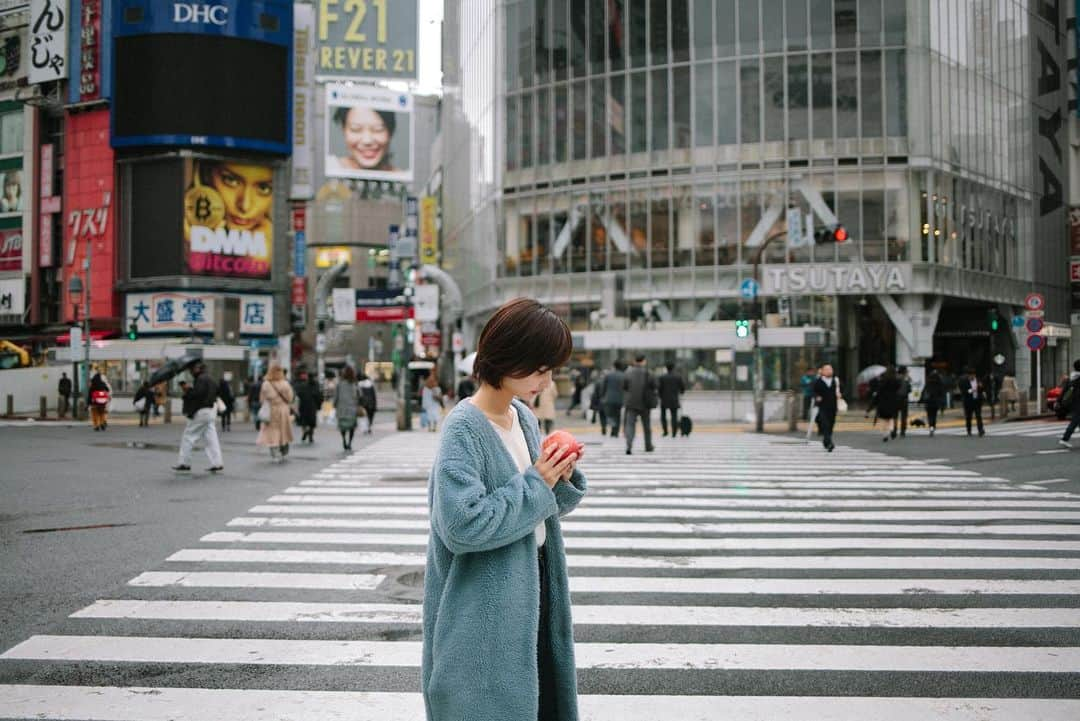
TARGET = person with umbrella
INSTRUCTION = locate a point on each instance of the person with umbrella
(199, 409)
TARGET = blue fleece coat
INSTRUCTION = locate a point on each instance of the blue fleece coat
(482, 585)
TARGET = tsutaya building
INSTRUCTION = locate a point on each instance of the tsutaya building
(630, 160)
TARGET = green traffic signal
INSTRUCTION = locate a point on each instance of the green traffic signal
(133, 331)
(994, 321)
(742, 328)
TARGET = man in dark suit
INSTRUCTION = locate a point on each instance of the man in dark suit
(826, 393)
(641, 397)
(612, 398)
(671, 387)
(973, 393)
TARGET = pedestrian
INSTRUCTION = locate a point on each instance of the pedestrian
(308, 397)
(1010, 396)
(545, 407)
(874, 388)
(671, 388)
(903, 396)
(254, 391)
(933, 397)
(431, 403)
(596, 402)
(276, 432)
(198, 407)
(97, 399)
(613, 397)
(144, 402)
(368, 399)
(577, 378)
(827, 397)
(347, 406)
(228, 399)
(639, 387)
(63, 389)
(806, 384)
(974, 394)
(888, 400)
(161, 396)
(465, 387)
(497, 633)
(1071, 399)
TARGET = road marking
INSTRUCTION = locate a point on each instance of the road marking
(1052, 451)
(211, 579)
(689, 563)
(595, 615)
(693, 487)
(571, 528)
(661, 544)
(78, 703)
(1052, 480)
(992, 456)
(622, 656)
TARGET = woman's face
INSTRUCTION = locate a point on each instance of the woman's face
(248, 192)
(366, 137)
(528, 387)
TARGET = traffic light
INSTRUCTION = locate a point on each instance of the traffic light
(742, 328)
(992, 320)
(133, 331)
(836, 234)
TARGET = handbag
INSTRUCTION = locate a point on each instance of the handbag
(264, 413)
(219, 406)
(99, 398)
(841, 405)
(140, 404)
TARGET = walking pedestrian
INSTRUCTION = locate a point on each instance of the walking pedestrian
(254, 391)
(368, 399)
(1010, 395)
(347, 406)
(577, 378)
(431, 403)
(63, 389)
(806, 384)
(933, 397)
(903, 396)
(974, 394)
(144, 402)
(226, 395)
(308, 396)
(198, 406)
(497, 632)
(161, 396)
(613, 397)
(671, 388)
(888, 400)
(641, 397)
(97, 399)
(596, 402)
(827, 395)
(1071, 397)
(545, 407)
(276, 432)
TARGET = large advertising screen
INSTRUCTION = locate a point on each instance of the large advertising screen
(369, 133)
(228, 218)
(372, 40)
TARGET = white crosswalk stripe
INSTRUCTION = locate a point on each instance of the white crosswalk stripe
(714, 557)
(1024, 429)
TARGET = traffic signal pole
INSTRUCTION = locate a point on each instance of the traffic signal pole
(759, 361)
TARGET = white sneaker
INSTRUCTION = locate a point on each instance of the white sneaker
(1064, 444)
(932, 432)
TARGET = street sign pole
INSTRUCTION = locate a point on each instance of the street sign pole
(1038, 381)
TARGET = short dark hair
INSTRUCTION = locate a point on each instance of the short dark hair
(341, 114)
(639, 358)
(522, 337)
(671, 367)
(619, 365)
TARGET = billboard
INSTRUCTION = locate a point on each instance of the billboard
(369, 133)
(375, 40)
(371, 305)
(48, 41)
(178, 312)
(228, 218)
(12, 296)
(11, 249)
(303, 150)
(11, 191)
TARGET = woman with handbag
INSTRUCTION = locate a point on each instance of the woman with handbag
(275, 413)
(98, 399)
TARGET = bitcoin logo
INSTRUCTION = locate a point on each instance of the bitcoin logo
(203, 206)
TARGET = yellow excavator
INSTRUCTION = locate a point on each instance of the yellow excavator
(13, 356)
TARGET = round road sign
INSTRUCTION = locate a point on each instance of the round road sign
(1034, 301)
(1034, 325)
(1036, 342)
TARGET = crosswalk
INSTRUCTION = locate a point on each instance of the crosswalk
(721, 577)
(1022, 429)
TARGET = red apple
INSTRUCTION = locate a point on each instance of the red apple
(562, 438)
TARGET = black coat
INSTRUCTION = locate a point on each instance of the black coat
(934, 393)
(825, 397)
(888, 404)
(970, 398)
(226, 395)
(308, 399)
(671, 387)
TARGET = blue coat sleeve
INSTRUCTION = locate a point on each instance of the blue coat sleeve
(569, 494)
(466, 516)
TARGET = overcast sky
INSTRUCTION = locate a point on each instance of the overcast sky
(430, 50)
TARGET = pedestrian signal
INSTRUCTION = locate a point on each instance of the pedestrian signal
(742, 328)
(133, 331)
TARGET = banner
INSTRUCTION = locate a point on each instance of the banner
(228, 219)
(48, 41)
(371, 40)
(302, 186)
(429, 238)
(329, 256)
(179, 312)
(369, 133)
(11, 249)
(374, 305)
(13, 296)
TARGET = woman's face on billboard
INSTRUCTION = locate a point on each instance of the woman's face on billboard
(247, 191)
(366, 137)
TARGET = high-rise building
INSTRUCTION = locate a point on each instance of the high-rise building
(628, 161)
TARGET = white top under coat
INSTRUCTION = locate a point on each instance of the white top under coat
(514, 440)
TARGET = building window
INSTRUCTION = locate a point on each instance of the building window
(798, 98)
(749, 96)
(596, 36)
(895, 94)
(511, 133)
(616, 34)
(581, 120)
(681, 107)
(727, 121)
(797, 24)
(845, 18)
(871, 94)
(772, 25)
(847, 96)
(617, 114)
(638, 28)
(821, 14)
(658, 32)
(870, 23)
(543, 130)
(774, 99)
(599, 122)
(748, 27)
(560, 53)
(821, 80)
(639, 108)
(526, 130)
(725, 28)
(659, 109)
(680, 31)
(703, 35)
(703, 105)
(561, 115)
(579, 29)
(11, 133)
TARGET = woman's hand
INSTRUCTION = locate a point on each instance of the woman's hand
(550, 471)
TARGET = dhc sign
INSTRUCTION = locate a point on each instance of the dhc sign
(199, 13)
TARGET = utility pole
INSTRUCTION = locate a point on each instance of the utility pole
(86, 318)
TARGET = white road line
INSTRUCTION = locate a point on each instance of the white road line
(109, 703)
(623, 656)
(692, 486)
(215, 579)
(688, 563)
(790, 528)
(1052, 451)
(992, 456)
(1052, 480)
(593, 615)
(662, 544)
(709, 514)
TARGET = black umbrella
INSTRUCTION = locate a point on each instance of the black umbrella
(173, 368)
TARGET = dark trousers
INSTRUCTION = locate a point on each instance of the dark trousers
(1074, 423)
(545, 663)
(144, 415)
(901, 420)
(674, 411)
(371, 418)
(931, 414)
(973, 409)
(63, 406)
(630, 427)
(613, 413)
(826, 420)
(806, 402)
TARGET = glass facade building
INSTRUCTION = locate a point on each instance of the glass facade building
(631, 157)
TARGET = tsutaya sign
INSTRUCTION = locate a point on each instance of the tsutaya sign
(837, 278)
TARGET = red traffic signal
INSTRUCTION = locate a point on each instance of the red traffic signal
(840, 234)
(835, 234)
